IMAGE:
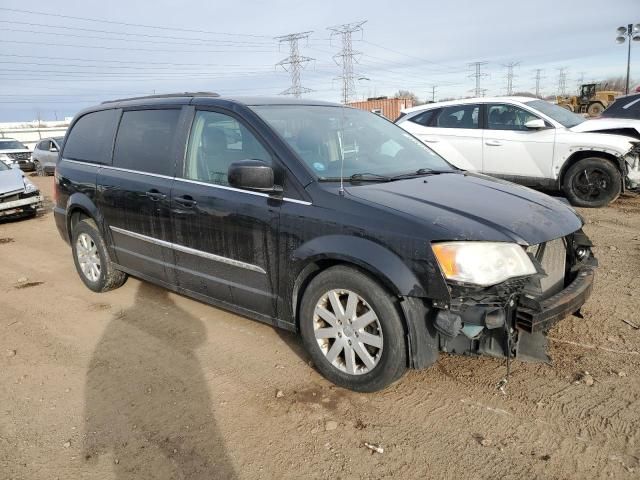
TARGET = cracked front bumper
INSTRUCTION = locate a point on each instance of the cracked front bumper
(538, 316)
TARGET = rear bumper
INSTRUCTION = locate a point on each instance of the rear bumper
(60, 217)
(538, 316)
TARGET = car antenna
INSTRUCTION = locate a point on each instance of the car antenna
(341, 191)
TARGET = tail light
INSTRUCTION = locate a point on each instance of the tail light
(55, 186)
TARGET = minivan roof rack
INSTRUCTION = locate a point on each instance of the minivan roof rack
(166, 95)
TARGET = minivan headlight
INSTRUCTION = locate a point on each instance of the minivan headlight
(482, 263)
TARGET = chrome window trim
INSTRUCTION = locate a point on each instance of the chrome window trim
(197, 182)
(191, 251)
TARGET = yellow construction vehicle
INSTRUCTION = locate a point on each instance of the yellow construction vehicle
(589, 101)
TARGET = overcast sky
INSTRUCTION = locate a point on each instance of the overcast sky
(52, 65)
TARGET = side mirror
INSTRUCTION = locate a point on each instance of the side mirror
(252, 175)
(53, 149)
(536, 124)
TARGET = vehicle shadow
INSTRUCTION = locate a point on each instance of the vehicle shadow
(147, 405)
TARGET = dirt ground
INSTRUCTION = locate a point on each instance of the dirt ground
(142, 383)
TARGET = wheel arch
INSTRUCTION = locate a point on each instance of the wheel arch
(79, 207)
(576, 156)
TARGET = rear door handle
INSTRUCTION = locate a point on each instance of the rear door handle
(493, 143)
(155, 195)
(186, 201)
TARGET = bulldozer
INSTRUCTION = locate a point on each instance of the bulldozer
(589, 101)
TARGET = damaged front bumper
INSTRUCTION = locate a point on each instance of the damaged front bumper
(21, 205)
(632, 160)
(539, 316)
(506, 320)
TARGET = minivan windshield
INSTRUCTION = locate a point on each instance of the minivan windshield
(11, 145)
(561, 115)
(344, 142)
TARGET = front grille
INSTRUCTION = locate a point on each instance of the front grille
(19, 156)
(9, 198)
(553, 261)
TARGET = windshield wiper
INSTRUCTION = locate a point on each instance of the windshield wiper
(370, 177)
(420, 172)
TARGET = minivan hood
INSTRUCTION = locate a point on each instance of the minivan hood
(471, 206)
(11, 181)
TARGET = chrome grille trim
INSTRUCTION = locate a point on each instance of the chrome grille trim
(553, 261)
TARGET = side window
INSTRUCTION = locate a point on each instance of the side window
(145, 141)
(43, 145)
(459, 116)
(91, 138)
(217, 140)
(507, 117)
(425, 118)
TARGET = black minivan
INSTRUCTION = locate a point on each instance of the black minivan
(321, 219)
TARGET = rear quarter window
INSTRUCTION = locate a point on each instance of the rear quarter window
(91, 138)
(145, 141)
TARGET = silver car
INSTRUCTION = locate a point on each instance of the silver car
(45, 155)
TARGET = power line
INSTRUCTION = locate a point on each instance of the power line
(130, 34)
(478, 75)
(294, 62)
(130, 48)
(347, 57)
(197, 42)
(113, 22)
(510, 76)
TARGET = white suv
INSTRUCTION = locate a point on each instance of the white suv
(531, 142)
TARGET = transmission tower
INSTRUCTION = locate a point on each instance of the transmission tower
(294, 63)
(562, 81)
(433, 92)
(347, 56)
(510, 76)
(478, 75)
(538, 78)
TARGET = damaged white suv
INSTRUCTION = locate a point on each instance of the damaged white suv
(531, 142)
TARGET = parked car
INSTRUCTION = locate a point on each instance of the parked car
(627, 106)
(322, 219)
(18, 196)
(45, 155)
(621, 118)
(13, 151)
(531, 142)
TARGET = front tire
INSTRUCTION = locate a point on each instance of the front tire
(592, 183)
(353, 330)
(92, 259)
(595, 109)
(39, 168)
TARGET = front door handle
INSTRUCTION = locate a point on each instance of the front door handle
(430, 140)
(493, 143)
(155, 195)
(186, 201)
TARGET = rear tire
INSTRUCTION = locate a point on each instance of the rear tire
(92, 259)
(592, 183)
(362, 345)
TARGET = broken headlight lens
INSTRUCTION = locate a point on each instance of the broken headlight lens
(29, 187)
(482, 263)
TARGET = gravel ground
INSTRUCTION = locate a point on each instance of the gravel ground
(142, 383)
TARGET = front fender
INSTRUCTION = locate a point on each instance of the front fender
(372, 257)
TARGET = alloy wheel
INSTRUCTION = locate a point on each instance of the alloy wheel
(348, 332)
(88, 258)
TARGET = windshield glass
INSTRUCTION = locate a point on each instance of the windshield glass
(561, 115)
(3, 166)
(11, 145)
(324, 136)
